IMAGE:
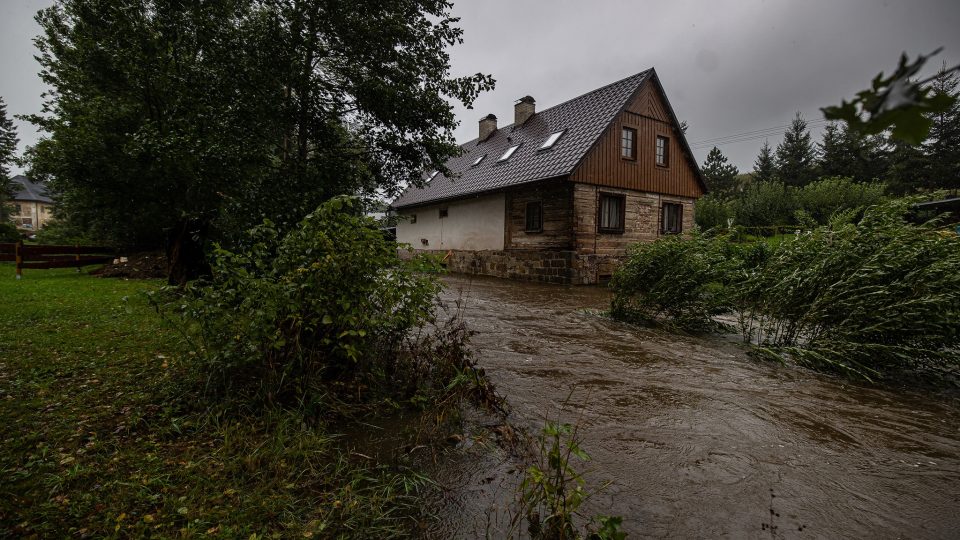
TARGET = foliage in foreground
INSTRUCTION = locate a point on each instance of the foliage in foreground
(865, 298)
(327, 313)
(552, 491)
(104, 435)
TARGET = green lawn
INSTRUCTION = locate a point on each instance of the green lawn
(105, 433)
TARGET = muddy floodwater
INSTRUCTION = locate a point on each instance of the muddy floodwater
(698, 439)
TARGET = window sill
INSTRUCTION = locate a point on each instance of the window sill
(533, 231)
(611, 231)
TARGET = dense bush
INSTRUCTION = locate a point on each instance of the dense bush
(763, 204)
(681, 281)
(712, 211)
(825, 197)
(865, 297)
(862, 298)
(8, 232)
(330, 304)
(62, 232)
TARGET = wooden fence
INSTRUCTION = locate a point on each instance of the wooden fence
(44, 257)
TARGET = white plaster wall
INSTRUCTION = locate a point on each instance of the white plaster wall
(471, 224)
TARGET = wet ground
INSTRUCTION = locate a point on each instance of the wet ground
(695, 435)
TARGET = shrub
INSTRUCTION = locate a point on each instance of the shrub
(712, 212)
(825, 197)
(8, 233)
(62, 232)
(680, 281)
(765, 204)
(327, 306)
(862, 298)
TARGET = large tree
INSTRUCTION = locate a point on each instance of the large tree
(8, 150)
(720, 175)
(765, 167)
(847, 153)
(942, 147)
(172, 122)
(796, 159)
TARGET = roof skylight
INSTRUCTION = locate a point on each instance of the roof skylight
(478, 160)
(506, 155)
(551, 140)
(434, 173)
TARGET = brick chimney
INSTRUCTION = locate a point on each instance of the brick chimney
(523, 109)
(488, 125)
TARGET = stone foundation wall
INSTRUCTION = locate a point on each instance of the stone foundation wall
(563, 267)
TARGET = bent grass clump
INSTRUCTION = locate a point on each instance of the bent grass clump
(867, 299)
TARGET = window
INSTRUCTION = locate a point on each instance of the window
(17, 209)
(443, 212)
(628, 143)
(611, 213)
(663, 151)
(551, 140)
(413, 218)
(478, 160)
(506, 155)
(434, 173)
(672, 218)
(534, 216)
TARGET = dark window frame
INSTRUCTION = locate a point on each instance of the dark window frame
(623, 213)
(666, 151)
(664, 226)
(444, 212)
(633, 142)
(413, 218)
(526, 217)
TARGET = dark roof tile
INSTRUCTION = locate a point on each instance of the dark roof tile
(25, 190)
(582, 119)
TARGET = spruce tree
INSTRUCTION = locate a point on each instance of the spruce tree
(721, 176)
(765, 168)
(942, 148)
(835, 158)
(8, 149)
(796, 159)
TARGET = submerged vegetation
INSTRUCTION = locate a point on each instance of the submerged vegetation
(868, 294)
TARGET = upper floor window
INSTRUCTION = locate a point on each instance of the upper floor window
(534, 216)
(672, 218)
(628, 143)
(444, 212)
(506, 155)
(611, 213)
(18, 209)
(663, 150)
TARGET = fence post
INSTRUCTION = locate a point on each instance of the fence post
(18, 256)
(77, 257)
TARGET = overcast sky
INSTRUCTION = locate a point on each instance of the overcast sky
(728, 66)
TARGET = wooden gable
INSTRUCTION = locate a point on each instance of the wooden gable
(647, 113)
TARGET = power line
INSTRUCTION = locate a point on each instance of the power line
(750, 135)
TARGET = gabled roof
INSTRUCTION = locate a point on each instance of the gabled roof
(25, 190)
(582, 119)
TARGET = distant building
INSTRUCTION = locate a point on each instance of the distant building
(32, 208)
(560, 194)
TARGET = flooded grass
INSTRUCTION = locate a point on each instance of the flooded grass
(103, 435)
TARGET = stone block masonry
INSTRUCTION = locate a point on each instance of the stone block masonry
(561, 267)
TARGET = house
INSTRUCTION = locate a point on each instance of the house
(560, 194)
(32, 208)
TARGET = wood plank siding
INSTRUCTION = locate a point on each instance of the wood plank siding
(647, 114)
(557, 204)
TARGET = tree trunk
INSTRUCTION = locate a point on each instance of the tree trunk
(185, 258)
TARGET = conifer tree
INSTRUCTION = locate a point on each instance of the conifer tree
(8, 149)
(942, 148)
(765, 168)
(721, 176)
(796, 159)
